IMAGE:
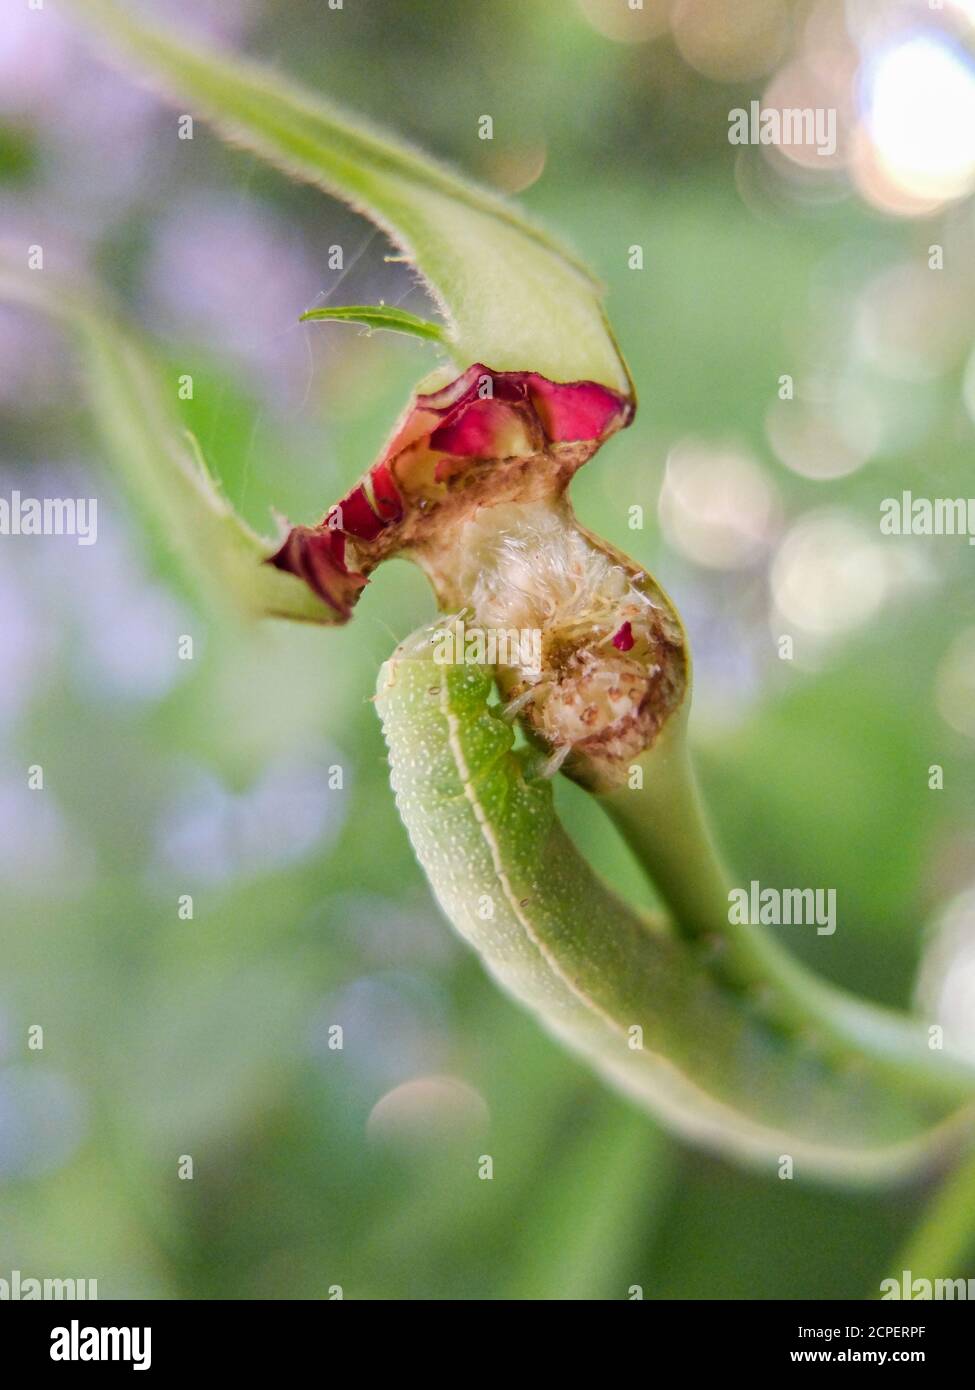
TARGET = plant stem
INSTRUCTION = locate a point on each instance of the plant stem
(665, 824)
(946, 1234)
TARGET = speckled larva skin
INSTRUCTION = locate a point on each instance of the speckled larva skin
(513, 884)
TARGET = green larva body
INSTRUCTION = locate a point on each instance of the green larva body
(613, 985)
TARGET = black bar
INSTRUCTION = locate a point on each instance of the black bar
(256, 1336)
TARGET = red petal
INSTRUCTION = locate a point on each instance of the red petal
(623, 640)
(355, 516)
(317, 555)
(486, 429)
(389, 504)
(578, 409)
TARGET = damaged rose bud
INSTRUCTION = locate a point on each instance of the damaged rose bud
(484, 438)
(613, 664)
(472, 487)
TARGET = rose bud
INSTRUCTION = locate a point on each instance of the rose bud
(472, 487)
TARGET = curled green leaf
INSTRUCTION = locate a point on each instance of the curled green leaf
(641, 1004)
